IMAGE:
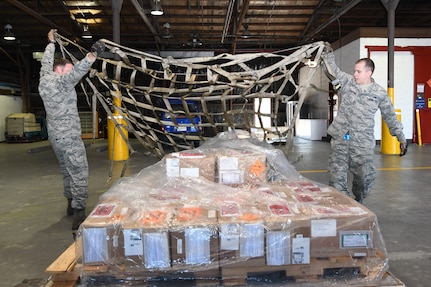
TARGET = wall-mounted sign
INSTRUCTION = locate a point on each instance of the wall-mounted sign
(420, 103)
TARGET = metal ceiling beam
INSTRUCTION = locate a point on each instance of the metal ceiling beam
(36, 15)
(344, 10)
(116, 10)
(66, 9)
(244, 10)
(228, 17)
(147, 21)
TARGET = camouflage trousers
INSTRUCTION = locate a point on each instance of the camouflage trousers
(72, 158)
(345, 157)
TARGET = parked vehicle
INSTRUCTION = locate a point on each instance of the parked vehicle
(25, 127)
(179, 121)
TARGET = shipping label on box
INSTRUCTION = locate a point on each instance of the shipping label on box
(95, 249)
(156, 250)
(278, 248)
(146, 239)
(229, 237)
(198, 245)
(252, 240)
(133, 243)
(300, 250)
(356, 239)
(149, 248)
(242, 235)
(240, 167)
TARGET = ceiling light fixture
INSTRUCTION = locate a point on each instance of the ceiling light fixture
(8, 35)
(156, 8)
(166, 34)
(86, 34)
(245, 32)
(194, 42)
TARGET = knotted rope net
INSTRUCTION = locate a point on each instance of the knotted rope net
(230, 91)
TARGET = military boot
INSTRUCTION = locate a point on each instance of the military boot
(70, 210)
(78, 218)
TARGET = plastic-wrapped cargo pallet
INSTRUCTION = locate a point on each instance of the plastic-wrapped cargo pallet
(231, 208)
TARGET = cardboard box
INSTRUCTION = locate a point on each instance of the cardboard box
(190, 164)
(146, 240)
(100, 233)
(335, 225)
(241, 235)
(237, 167)
(194, 238)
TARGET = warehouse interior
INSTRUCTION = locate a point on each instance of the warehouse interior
(35, 227)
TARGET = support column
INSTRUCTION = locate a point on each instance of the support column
(389, 143)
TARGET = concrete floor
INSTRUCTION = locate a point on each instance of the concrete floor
(35, 229)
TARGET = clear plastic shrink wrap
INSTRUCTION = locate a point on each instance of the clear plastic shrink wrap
(228, 208)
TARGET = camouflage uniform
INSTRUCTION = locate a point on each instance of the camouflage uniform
(352, 132)
(63, 122)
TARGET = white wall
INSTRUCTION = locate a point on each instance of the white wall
(347, 55)
(9, 105)
(403, 87)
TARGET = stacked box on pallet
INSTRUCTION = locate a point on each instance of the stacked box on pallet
(240, 167)
(329, 226)
(227, 211)
(188, 164)
(194, 240)
(99, 242)
(146, 240)
(242, 241)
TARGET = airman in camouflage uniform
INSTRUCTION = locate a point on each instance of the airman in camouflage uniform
(57, 89)
(352, 131)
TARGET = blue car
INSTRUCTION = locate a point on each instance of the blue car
(182, 123)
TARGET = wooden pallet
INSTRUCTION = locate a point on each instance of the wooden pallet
(234, 277)
(64, 272)
(337, 267)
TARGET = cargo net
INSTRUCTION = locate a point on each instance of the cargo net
(175, 104)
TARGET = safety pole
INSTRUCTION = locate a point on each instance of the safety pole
(390, 144)
(117, 146)
(418, 126)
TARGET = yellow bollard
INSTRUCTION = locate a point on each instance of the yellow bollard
(390, 144)
(418, 126)
(117, 147)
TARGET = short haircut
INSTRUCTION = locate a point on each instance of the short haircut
(368, 63)
(61, 62)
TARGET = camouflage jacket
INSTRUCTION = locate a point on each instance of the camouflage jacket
(357, 109)
(59, 95)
